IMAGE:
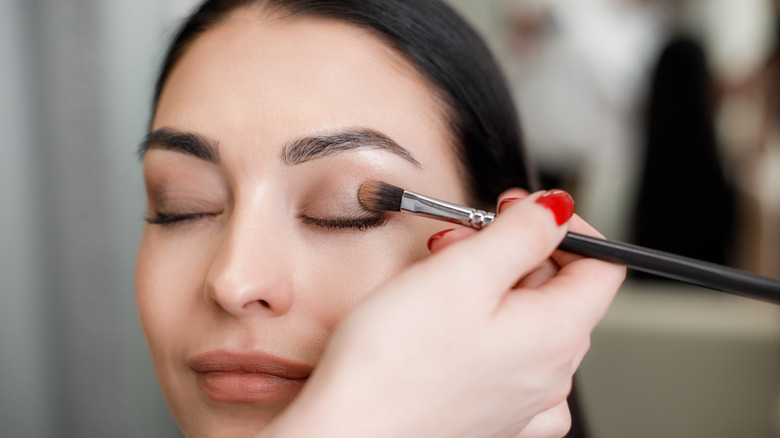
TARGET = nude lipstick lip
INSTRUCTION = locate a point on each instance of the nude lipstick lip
(254, 377)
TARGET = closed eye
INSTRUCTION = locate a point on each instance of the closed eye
(337, 224)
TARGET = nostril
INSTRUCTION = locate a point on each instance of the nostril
(264, 303)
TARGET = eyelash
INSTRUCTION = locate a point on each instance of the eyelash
(358, 224)
(172, 219)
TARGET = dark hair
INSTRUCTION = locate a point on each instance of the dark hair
(444, 49)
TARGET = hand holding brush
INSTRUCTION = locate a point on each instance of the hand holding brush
(384, 197)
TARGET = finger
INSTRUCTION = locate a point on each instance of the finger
(524, 234)
(585, 285)
(514, 193)
(549, 267)
(510, 196)
(443, 239)
(554, 422)
(577, 225)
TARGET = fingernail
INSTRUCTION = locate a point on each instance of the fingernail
(504, 202)
(436, 237)
(559, 203)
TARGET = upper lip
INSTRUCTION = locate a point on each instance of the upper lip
(249, 363)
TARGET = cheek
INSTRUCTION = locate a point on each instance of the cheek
(168, 279)
(345, 271)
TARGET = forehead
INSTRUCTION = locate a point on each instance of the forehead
(273, 78)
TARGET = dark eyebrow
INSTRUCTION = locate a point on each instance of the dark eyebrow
(318, 146)
(186, 142)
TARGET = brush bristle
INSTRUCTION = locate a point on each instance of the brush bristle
(380, 196)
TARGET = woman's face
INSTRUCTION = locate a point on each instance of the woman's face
(257, 246)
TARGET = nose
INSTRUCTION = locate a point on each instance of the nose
(250, 273)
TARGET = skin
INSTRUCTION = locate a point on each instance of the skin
(248, 274)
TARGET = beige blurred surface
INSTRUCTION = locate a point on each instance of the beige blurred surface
(671, 360)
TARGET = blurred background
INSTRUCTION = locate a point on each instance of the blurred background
(660, 116)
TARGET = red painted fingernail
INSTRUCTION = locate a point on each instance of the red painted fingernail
(504, 202)
(559, 203)
(436, 237)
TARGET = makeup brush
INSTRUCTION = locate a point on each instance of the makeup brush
(383, 197)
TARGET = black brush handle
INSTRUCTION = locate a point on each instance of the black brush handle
(685, 269)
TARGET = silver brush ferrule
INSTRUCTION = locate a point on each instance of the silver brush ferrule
(442, 210)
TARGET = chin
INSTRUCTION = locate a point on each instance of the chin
(226, 421)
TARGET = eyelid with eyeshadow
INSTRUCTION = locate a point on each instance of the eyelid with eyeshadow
(172, 210)
(359, 223)
(333, 214)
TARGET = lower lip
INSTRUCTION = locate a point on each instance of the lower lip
(247, 387)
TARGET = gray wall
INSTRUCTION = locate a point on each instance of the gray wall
(75, 84)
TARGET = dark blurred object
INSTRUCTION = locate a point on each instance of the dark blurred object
(579, 427)
(684, 205)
